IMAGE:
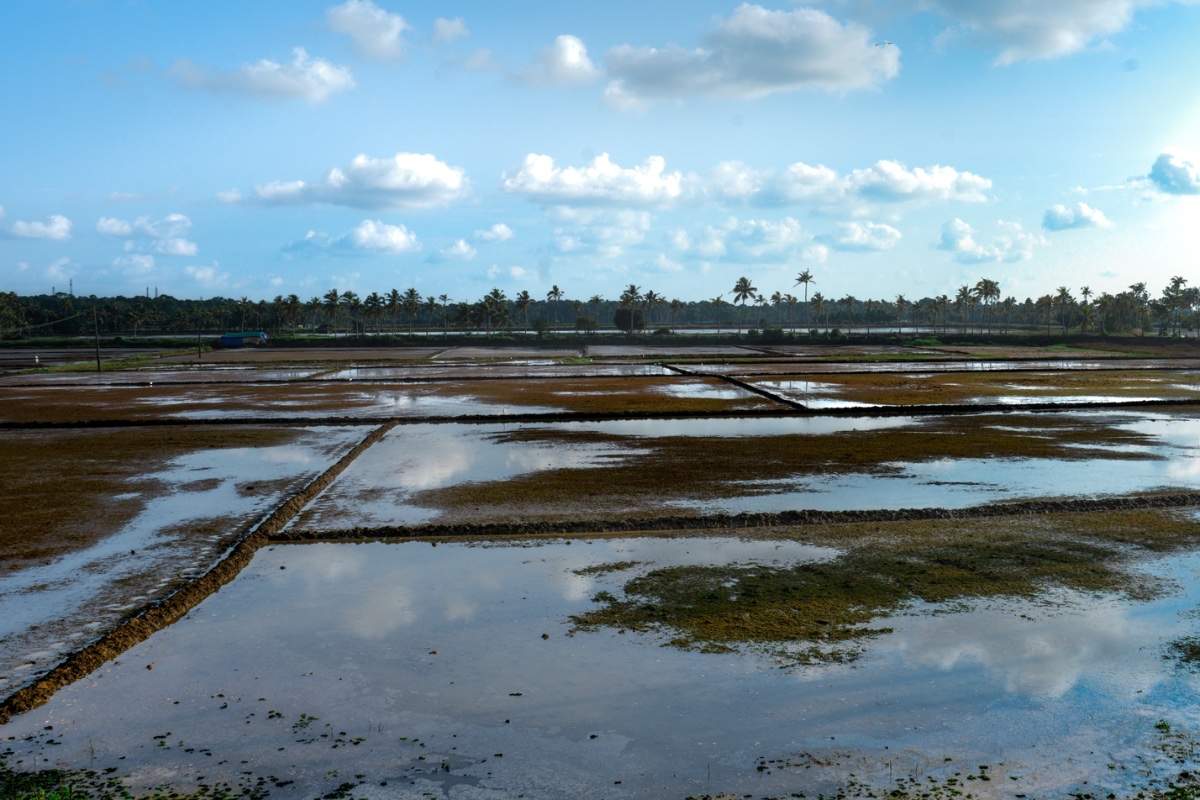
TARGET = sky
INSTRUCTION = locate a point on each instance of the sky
(903, 147)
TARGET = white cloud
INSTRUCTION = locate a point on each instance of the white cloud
(111, 226)
(209, 275)
(167, 236)
(1175, 174)
(498, 232)
(135, 263)
(461, 250)
(1012, 243)
(864, 237)
(313, 79)
(750, 241)
(449, 30)
(405, 180)
(892, 181)
(884, 181)
(515, 273)
(61, 269)
(601, 182)
(371, 234)
(376, 33)
(1026, 30)
(55, 227)
(752, 53)
(604, 233)
(230, 196)
(564, 63)
(1079, 215)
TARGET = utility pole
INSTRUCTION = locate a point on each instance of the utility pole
(96, 329)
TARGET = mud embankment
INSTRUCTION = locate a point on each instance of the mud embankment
(143, 623)
(782, 519)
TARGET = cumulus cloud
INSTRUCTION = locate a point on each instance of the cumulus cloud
(166, 236)
(516, 273)
(885, 181)
(1079, 215)
(1026, 30)
(599, 232)
(370, 236)
(864, 237)
(111, 226)
(751, 241)
(56, 227)
(564, 63)
(376, 236)
(209, 276)
(461, 250)
(376, 33)
(1175, 174)
(405, 180)
(498, 232)
(312, 79)
(135, 263)
(601, 182)
(1012, 243)
(448, 30)
(755, 52)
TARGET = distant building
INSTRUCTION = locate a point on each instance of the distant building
(243, 339)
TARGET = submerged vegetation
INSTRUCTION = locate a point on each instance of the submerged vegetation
(822, 611)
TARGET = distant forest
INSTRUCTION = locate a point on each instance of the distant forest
(979, 308)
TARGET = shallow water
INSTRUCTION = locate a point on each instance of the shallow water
(1001, 365)
(426, 667)
(44, 608)
(377, 489)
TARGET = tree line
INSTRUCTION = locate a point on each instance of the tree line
(978, 308)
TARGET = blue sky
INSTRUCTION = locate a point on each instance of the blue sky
(892, 147)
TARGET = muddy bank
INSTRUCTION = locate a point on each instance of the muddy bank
(728, 522)
(162, 613)
(616, 416)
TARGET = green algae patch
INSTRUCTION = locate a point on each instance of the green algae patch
(607, 568)
(821, 612)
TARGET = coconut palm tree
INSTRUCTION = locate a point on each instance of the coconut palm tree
(411, 302)
(555, 296)
(743, 290)
(717, 303)
(804, 279)
(523, 302)
(818, 305)
(1064, 301)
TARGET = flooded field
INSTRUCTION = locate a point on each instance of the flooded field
(740, 573)
(405, 670)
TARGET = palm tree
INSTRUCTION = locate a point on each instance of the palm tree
(804, 279)
(373, 305)
(411, 302)
(332, 300)
(791, 300)
(1064, 301)
(818, 305)
(523, 302)
(631, 296)
(987, 292)
(743, 290)
(651, 298)
(393, 305)
(717, 302)
(901, 304)
(962, 301)
(555, 295)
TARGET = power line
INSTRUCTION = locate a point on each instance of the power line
(41, 324)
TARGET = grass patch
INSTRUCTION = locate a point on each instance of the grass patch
(823, 611)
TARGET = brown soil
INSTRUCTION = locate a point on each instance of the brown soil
(664, 469)
(616, 394)
(60, 487)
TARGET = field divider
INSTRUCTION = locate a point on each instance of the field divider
(743, 385)
(161, 613)
(744, 521)
(794, 410)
